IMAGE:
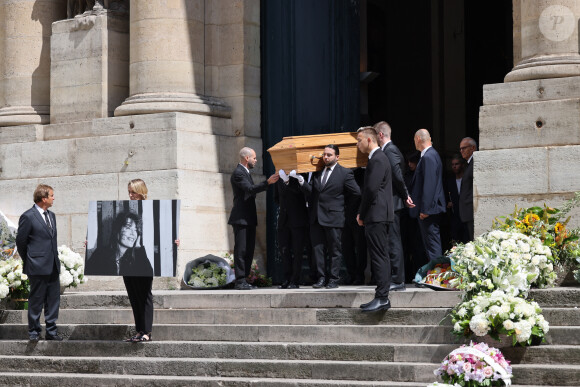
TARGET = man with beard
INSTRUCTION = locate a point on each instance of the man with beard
(243, 217)
(326, 193)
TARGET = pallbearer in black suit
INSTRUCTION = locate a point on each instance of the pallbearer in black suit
(400, 199)
(375, 213)
(243, 217)
(326, 193)
(292, 227)
(37, 246)
(427, 194)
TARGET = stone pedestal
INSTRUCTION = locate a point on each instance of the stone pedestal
(25, 28)
(89, 67)
(167, 60)
(548, 39)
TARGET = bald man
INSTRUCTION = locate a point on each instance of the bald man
(428, 195)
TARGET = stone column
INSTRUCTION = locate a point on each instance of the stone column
(166, 62)
(25, 59)
(545, 39)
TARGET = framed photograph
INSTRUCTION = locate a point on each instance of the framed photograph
(134, 238)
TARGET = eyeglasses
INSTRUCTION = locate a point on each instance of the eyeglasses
(461, 149)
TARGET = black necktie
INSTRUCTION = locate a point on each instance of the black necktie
(325, 176)
(46, 220)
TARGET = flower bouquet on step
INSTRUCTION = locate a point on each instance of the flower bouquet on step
(72, 268)
(255, 278)
(474, 365)
(7, 237)
(498, 313)
(500, 260)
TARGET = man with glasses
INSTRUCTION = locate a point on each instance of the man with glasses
(467, 147)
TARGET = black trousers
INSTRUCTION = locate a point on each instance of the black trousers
(326, 239)
(431, 236)
(141, 298)
(44, 292)
(244, 244)
(377, 235)
(395, 249)
(354, 250)
(291, 244)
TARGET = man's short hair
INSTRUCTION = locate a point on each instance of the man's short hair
(369, 131)
(245, 151)
(42, 191)
(423, 135)
(335, 147)
(384, 128)
(470, 141)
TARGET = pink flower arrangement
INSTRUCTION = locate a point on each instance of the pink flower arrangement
(475, 365)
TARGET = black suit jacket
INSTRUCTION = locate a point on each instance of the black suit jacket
(244, 209)
(327, 203)
(427, 186)
(290, 199)
(377, 196)
(466, 194)
(398, 169)
(37, 244)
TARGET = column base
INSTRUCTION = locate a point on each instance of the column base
(24, 115)
(550, 66)
(149, 103)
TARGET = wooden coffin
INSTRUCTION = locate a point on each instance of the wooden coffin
(304, 153)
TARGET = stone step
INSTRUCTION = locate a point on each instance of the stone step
(343, 297)
(405, 334)
(75, 380)
(565, 375)
(428, 353)
(267, 316)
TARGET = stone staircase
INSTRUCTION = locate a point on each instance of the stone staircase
(271, 337)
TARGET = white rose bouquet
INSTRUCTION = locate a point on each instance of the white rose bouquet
(500, 260)
(12, 280)
(72, 267)
(499, 313)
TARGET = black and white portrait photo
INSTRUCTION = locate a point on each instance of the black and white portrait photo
(132, 238)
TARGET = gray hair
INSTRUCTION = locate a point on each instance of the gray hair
(245, 151)
(470, 141)
(423, 135)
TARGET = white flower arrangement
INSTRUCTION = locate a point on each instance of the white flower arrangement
(72, 267)
(500, 260)
(11, 276)
(500, 313)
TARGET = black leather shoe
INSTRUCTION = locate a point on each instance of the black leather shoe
(319, 284)
(52, 337)
(284, 285)
(244, 286)
(358, 282)
(293, 286)
(379, 303)
(397, 287)
(332, 285)
(366, 304)
(33, 338)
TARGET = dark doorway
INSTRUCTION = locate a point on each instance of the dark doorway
(430, 60)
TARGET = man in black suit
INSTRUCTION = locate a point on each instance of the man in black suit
(452, 189)
(376, 213)
(467, 147)
(292, 227)
(400, 199)
(326, 194)
(243, 217)
(37, 245)
(427, 194)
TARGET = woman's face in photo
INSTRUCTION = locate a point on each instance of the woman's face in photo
(128, 234)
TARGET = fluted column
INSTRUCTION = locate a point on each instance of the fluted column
(548, 33)
(166, 62)
(25, 31)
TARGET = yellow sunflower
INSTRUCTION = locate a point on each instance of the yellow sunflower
(530, 219)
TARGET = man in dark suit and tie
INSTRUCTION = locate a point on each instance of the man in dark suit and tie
(326, 194)
(452, 190)
(467, 147)
(243, 217)
(292, 228)
(375, 214)
(37, 245)
(400, 199)
(427, 194)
